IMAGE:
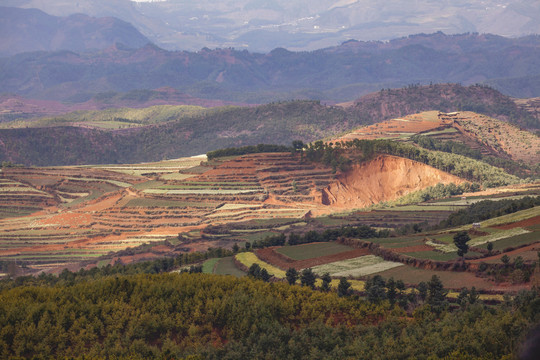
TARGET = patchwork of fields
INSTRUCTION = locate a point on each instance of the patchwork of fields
(83, 213)
(51, 218)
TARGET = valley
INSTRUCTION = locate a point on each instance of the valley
(94, 216)
(269, 180)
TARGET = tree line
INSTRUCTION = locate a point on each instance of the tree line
(487, 209)
(363, 150)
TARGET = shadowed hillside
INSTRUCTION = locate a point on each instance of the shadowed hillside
(153, 134)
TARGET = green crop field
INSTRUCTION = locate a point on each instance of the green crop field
(226, 266)
(331, 221)
(515, 241)
(433, 255)
(445, 131)
(397, 242)
(313, 250)
(440, 256)
(506, 219)
(6, 212)
(208, 265)
(257, 236)
(360, 266)
(272, 223)
(176, 176)
(499, 235)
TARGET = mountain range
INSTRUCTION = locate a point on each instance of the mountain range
(262, 25)
(334, 74)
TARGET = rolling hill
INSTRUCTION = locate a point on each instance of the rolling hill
(131, 136)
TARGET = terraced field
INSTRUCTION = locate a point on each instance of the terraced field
(401, 128)
(92, 216)
(82, 213)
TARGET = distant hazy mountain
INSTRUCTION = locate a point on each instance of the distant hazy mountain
(32, 30)
(334, 74)
(261, 25)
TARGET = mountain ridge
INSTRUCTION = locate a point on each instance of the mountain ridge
(331, 75)
(26, 30)
(300, 25)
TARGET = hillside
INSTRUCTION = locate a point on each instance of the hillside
(480, 134)
(385, 178)
(393, 103)
(92, 211)
(104, 137)
(332, 74)
(14, 107)
(201, 316)
(25, 30)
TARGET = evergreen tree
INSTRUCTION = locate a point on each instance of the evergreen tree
(460, 240)
(308, 278)
(422, 290)
(375, 289)
(343, 287)
(291, 275)
(391, 291)
(326, 279)
(436, 296)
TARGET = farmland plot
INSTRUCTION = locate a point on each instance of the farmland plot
(313, 250)
(201, 191)
(249, 258)
(225, 266)
(360, 266)
(500, 235)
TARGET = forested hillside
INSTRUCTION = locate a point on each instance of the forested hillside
(200, 316)
(391, 103)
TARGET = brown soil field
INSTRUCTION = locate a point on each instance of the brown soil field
(416, 123)
(283, 262)
(523, 223)
(385, 178)
(450, 280)
(409, 249)
(496, 258)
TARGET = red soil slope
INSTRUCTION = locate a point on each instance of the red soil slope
(385, 178)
